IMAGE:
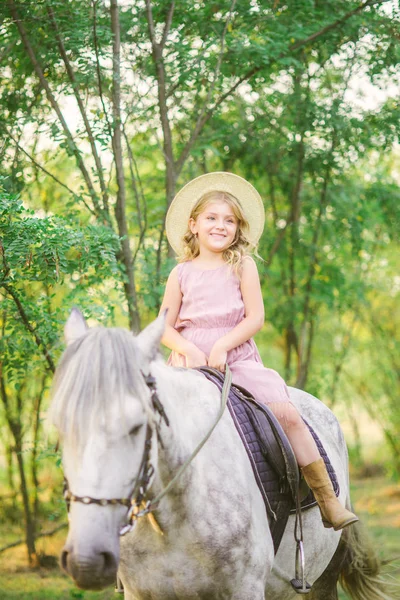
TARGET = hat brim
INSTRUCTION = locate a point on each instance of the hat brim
(182, 205)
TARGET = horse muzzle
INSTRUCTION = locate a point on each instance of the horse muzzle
(90, 572)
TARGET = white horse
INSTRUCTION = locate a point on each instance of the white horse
(212, 539)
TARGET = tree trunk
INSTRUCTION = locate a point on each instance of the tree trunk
(36, 431)
(394, 444)
(15, 426)
(170, 166)
(291, 338)
(125, 254)
(305, 355)
(29, 522)
(53, 102)
(10, 466)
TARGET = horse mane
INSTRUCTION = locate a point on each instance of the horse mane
(95, 371)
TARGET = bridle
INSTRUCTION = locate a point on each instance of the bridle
(137, 503)
(146, 471)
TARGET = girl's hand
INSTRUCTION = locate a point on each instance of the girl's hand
(195, 357)
(217, 358)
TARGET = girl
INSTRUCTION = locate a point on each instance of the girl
(215, 306)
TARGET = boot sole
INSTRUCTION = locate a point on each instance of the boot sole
(328, 525)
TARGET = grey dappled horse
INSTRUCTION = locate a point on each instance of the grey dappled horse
(210, 538)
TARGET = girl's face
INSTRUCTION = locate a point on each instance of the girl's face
(215, 227)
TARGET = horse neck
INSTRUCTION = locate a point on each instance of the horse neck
(191, 405)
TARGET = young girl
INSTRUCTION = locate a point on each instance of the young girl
(215, 306)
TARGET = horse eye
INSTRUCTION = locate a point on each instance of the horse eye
(135, 429)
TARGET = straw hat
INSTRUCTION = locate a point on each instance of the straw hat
(181, 207)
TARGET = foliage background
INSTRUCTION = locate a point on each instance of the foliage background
(108, 108)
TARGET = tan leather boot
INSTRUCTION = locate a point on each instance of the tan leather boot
(333, 513)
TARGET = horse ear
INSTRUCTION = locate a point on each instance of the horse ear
(75, 326)
(149, 339)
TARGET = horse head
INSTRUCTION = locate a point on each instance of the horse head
(103, 411)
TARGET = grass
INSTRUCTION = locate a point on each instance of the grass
(376, 501)
(46, 586)
(18, 582)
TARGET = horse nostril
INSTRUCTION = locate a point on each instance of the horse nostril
(64, 560)
(110, 564)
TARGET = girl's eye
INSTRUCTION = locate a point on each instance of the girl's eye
(210, 218)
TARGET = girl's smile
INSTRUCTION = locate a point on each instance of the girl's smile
(215, 227)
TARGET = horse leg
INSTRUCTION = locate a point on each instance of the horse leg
(325, 587)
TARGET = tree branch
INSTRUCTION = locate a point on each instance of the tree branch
(303, 365)
(39, 166)
(203, 114)
(6, 51)
(158, 59)
(167, 26)
(339, 363)
(72, 78)
(96, 50)
(120, 207)
(47, 533)
(39, 72)
(170, 174)
(335, 24)
(142, 219)
(39, 342)
(251, 72)
(278, 240)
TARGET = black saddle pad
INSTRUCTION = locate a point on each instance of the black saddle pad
(270, 454)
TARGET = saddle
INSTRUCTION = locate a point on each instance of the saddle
(271, 456)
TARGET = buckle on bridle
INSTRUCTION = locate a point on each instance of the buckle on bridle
(151, 384)
(144, 511)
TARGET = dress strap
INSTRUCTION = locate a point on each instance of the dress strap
(182, 269)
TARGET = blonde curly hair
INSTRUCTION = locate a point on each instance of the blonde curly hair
(241, 245)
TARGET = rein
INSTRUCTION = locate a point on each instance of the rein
(137, 503)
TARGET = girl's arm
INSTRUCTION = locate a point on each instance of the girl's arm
(252, 322)
(172, 339)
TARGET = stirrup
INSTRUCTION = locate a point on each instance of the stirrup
(299, 584)
(119, 588)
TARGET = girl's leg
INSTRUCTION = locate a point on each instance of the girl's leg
(299, 436)
(312, 465)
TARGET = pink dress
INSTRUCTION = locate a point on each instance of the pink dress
(212, 305)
